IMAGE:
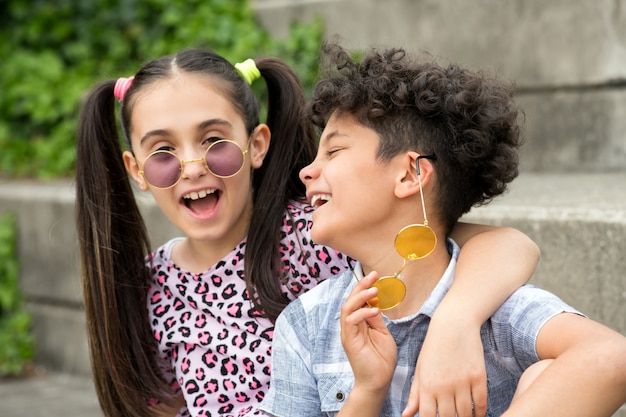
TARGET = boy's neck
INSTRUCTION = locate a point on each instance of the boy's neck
(420, 277)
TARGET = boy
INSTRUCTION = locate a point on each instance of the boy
(408, 143)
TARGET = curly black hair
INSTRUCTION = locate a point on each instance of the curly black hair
(468, 120)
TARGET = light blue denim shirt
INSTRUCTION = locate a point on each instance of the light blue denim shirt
(311, 375)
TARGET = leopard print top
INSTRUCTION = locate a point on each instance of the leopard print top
(212, 345)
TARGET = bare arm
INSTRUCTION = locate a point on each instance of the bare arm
(494, 262)
(587, 376)
(450, 374)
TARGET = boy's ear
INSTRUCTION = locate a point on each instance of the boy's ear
(133, 169)
(259, 144)
(408, 183)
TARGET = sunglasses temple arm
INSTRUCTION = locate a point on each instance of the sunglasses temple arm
(419, 178)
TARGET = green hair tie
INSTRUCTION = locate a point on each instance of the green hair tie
(248, 70)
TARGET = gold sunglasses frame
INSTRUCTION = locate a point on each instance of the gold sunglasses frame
(182, 162)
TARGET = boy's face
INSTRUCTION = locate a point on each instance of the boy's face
(351, 190)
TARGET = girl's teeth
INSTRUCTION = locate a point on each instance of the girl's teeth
(196, 195)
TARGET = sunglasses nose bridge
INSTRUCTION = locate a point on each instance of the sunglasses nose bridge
(183, 165)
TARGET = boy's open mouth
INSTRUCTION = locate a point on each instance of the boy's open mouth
(319, 200)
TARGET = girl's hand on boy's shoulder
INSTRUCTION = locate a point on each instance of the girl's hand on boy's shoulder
(450, 377)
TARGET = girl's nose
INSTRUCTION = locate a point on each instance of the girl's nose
(194, 168)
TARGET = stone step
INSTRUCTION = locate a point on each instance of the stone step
(567, 59)
(579, 221)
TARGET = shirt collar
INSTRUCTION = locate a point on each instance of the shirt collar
(435, 297)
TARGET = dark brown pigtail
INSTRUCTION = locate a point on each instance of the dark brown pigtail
(293, 146)
(113, 247)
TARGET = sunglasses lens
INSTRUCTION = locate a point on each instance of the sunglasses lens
(162, 169)
(391, 292)
(415, 241)
(224, 158)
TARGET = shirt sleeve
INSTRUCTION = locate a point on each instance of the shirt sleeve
(293, 388)
(519, 320)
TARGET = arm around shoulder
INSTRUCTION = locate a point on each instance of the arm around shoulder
(586, 375)
(493, 263)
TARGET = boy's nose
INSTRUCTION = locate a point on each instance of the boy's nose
(307, 173)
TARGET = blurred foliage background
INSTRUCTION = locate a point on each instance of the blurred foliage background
(16, 342)
(51, 53)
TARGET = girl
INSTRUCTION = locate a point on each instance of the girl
(197, 318)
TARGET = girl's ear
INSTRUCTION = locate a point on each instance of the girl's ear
(259, 145)
(133, 169)
(408, 182)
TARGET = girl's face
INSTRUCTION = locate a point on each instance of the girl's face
(352, 191)
(184, 115)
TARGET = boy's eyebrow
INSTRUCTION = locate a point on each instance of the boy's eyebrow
(331, 135)
(203, 125)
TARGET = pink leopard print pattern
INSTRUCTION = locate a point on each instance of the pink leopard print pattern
(213, 347)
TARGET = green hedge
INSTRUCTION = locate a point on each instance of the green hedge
(52, 52)
(16, 343)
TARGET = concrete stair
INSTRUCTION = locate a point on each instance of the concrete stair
(579, 221)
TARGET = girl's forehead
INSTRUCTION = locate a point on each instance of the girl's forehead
(179, 91)
(183, 84)
(179, 101)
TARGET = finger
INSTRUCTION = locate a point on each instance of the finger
(361, 315)
(361, 293)
(479, 399)
(464, 405)
(354, 329)
(427, 407)
(357, 300)
(376, 321)
(369, 279)
(446, 407)
(413, 401)
(354, 314)
(367, 282)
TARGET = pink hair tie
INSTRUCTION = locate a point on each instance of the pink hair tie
(121, 87)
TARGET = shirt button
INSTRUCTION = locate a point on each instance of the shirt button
(340, 396)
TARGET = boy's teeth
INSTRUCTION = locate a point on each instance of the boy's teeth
(319, 197)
